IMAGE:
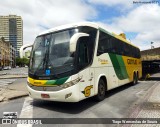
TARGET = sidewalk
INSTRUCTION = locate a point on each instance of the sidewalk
(12, 91)
(147, 107)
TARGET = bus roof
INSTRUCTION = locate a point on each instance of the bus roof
(91, 24)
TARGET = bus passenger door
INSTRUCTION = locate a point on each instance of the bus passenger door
(86, 83)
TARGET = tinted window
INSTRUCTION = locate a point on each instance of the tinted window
(109, 44)
(105, 44)
(83, 52)
(91, 40)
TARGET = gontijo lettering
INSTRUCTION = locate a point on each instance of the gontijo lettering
(103, 61)
(131, 61)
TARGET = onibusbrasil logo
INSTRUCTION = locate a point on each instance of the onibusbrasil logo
(12, 118)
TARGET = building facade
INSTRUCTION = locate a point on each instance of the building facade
(151, 54)
(12, 56)
(4, 52)
(11, 28)
(7, 54)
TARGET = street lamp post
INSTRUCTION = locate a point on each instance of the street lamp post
(152, 47)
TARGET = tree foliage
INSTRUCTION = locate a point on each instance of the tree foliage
(22, 61)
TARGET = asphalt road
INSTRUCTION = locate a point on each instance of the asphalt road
(117, 104)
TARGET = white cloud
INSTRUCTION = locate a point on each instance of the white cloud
(144, 39)
(120, 4)
(146, 17)
(47, 13)
(143, 20)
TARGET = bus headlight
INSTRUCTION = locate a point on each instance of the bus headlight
(71, 83)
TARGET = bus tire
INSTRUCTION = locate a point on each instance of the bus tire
(134, 79)
(101, 90)
(137, 77)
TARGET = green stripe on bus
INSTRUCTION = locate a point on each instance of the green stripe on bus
(122, 66)
(61, 81)
(57, 82)
(50, 82)
(119, 66)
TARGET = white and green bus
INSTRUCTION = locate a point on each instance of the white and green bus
(73, 62)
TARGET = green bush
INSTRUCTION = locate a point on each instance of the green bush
(22, 62)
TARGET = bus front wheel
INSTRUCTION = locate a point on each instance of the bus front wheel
(101, 91)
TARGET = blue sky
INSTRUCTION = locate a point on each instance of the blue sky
(106, 13)
(140, 22)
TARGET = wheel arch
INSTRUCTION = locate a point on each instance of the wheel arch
(134, 72)
(102, 76)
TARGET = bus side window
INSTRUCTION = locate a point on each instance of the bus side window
(103, 43)
(100, 48)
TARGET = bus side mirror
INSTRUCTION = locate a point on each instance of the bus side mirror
(74, 40)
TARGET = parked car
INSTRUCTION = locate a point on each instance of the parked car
(26, 66)
(7, 68)
(1, 68)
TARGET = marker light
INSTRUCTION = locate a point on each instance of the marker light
(68, 95)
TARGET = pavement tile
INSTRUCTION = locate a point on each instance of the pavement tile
(150, 108)
(1, 98)
(12, 91)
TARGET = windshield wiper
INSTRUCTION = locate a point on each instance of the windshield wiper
(44, 62)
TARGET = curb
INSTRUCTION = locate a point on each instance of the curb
(3, 74)
(12, 77)
(14, 97)
(16, 74)
(18, 96)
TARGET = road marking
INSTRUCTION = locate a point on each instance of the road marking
(26, 112)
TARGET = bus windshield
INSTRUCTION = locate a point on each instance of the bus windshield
(51, 52)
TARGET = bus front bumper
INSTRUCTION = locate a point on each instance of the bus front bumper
(70, 94)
